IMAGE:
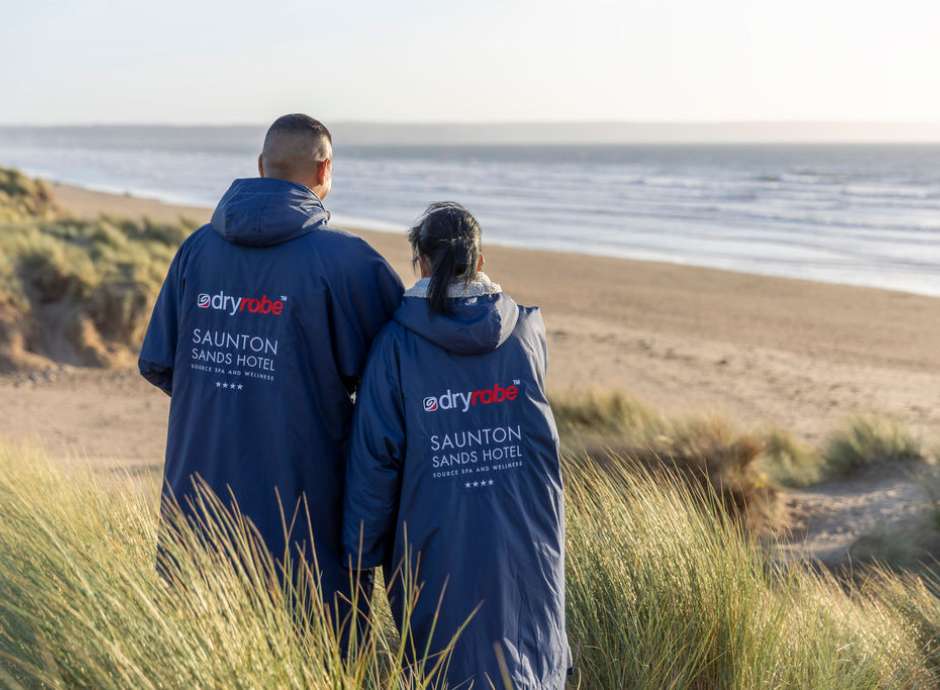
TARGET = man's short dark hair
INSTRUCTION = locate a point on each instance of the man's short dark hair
(293, 140)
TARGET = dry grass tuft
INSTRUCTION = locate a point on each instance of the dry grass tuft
(705, 451)
(865, 442)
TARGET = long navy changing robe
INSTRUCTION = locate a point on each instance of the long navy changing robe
(260, 335)
(454, 461)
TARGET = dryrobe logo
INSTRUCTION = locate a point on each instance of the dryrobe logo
(235, 305)
(464, 401)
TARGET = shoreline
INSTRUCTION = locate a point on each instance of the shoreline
(84, 200)
(160, 206)
(761, 351)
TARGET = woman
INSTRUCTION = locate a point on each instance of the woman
(453, 472)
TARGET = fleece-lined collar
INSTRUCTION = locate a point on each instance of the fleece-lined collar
(480, 286)
(481, 317)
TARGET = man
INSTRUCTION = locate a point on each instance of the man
(260, 335)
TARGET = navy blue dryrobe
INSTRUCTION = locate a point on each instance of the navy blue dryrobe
(260, 335)
(454, 462)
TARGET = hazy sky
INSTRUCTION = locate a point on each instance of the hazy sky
(481, 60)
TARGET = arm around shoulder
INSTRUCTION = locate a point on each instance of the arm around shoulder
(364, 292)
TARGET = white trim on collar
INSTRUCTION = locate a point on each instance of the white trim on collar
(481, 285)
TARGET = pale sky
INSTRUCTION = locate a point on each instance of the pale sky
(175, 61)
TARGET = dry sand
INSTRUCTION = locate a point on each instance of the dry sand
(796, 354)
(826, 521)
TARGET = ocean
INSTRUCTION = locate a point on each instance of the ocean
(861, 214)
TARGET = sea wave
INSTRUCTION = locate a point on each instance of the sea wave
(865, 215)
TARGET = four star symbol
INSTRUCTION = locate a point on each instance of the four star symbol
(229, 386)
(473, 485)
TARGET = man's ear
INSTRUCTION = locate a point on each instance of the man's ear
(260, 165)
(323, 170)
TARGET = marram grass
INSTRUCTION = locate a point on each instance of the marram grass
(865, 441)
(81, 604)
(663, 592)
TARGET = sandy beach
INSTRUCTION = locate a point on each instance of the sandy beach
(762, 351)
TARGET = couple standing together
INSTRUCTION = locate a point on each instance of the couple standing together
(412, 424)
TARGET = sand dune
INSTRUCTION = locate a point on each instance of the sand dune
(797, 354)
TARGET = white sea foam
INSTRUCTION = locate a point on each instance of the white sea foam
(864, 214)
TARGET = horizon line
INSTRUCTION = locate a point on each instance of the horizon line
(507, 123)
(543, 132)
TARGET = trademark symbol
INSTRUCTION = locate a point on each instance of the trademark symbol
(516, 381)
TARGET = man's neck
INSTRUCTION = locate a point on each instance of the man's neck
(316, 189)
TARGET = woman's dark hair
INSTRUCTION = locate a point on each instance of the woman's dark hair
(448, 236)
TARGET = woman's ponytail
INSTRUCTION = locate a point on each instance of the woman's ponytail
(448, 237)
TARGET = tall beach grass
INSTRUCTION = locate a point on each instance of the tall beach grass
(664, 591)
(82, 605)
